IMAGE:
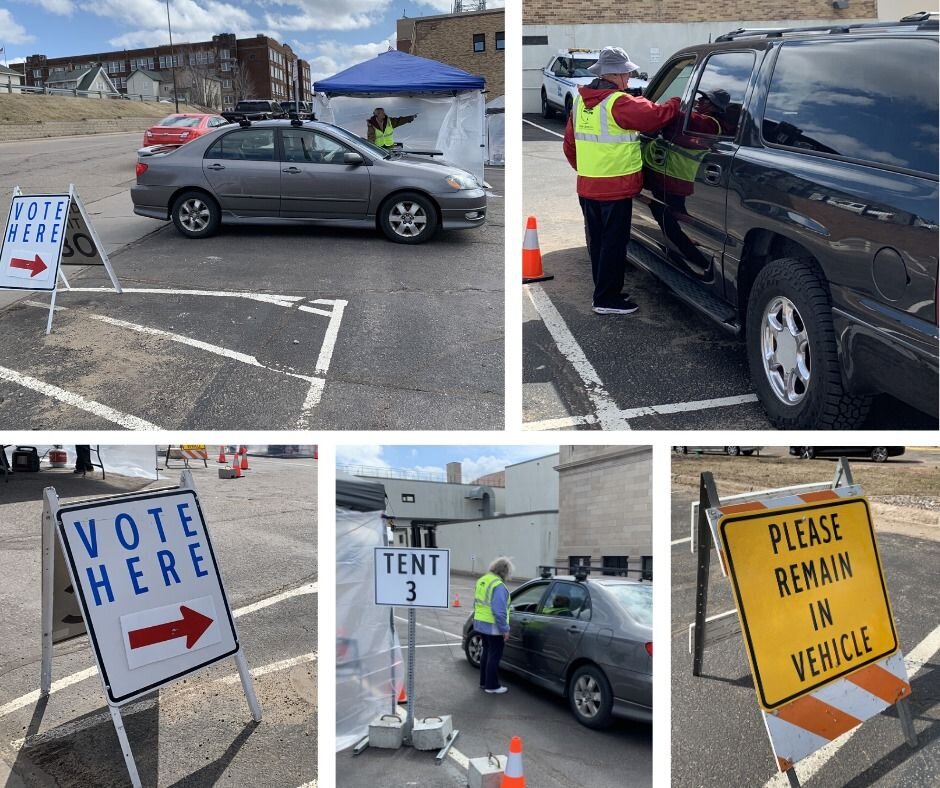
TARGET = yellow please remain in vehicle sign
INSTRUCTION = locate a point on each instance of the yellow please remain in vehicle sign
(810, 593)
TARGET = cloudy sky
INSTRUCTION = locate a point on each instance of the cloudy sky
(476, 460)
(331, 34)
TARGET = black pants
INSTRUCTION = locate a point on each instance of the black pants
(83, 459)
(607, 228)
(489, 661)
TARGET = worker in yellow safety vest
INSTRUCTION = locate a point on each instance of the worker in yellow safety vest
(381, 127)
(491, 621)
(602, 143)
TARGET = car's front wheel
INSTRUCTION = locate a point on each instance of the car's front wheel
(196, 215)
(792, 352)
(590, 697)
(879, 454)
(547, 111)
(732, 451)
(408, 218)
(473, 648)
(807, 453)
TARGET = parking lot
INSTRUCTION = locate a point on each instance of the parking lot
(558, 752)
(665, 367)
(197, 731)
(718, 735)
(263, 327)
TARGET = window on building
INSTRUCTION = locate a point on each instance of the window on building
(479, 42)
(226, 65)
(115, 66)
(407, 498)
(615, 565)
(535, 41)
(167, 62)
(579, 560)
(223, 54)
(500, 39)
(37, 73)
(647, 567)
(227, 84)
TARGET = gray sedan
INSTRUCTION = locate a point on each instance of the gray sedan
(588, 639)
(293, 172)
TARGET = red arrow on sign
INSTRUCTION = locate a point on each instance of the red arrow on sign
(191, 626)
(37, 266)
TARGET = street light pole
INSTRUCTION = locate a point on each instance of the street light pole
(176, 96)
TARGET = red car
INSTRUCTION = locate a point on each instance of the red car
(181, 128)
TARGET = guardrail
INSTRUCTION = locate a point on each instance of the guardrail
(76, 93)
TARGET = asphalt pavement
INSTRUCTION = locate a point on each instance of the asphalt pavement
(664, 367)
(558, 752)
(262, 327)
(718, 735)
(197, 731)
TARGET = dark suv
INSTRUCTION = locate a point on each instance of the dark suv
(795, 202)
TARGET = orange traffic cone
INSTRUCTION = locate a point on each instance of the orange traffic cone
(244, 464)
(402, 696)
(514, 775)
(243, 450)
(532, 255)
(456, 599)
(236, 467)
(222, 455)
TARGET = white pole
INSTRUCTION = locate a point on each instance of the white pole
(248, 686)
(125, 745)
(50, 504)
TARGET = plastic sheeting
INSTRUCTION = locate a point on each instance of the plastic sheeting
(135, 461)
(496, 131)
(369, 669)
(453, 125)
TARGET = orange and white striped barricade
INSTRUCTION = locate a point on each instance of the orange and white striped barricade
(813, 607)
(186, 453)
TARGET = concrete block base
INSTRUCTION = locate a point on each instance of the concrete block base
(486, 772)
(226, 473)
(385, 732)
(431, 733)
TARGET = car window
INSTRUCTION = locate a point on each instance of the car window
(673, 82)
(857, 99)
(719, 95)
(580, 65)
(178, 120)
(637, 600)
(527, 600)
(244, 145)
(567, 600)
(305, 146)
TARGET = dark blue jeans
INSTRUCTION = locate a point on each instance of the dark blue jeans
(607, 229)
(489, 662)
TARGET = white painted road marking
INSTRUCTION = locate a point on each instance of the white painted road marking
(561, 423)
(76, 400)
(434, 629)
(919, 656)
(542, 128)
(604, 405)
(31, 697)
(684, 539)
(264, 298)
(274, 667)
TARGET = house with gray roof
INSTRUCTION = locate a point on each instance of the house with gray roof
(10, 80)
(92, 78)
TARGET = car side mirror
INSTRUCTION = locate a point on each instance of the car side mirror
(351, 157)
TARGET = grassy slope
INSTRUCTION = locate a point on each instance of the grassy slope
(16, 109)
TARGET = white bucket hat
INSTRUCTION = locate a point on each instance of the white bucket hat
(613, 60)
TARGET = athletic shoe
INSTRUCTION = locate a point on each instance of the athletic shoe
(623, 306)
(499, 691)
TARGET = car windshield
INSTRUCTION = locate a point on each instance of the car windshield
(180, 120)
(580, 65)
(252, 106)
(637, 600)
(373, 149)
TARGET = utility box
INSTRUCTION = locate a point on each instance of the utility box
(431, 733)
(486, 772)
(385, 732)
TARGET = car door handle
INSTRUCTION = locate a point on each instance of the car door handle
(292, 170)
(215, 166)
(713, 174)
(573, 630)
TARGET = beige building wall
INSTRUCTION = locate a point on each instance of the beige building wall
(605, 502)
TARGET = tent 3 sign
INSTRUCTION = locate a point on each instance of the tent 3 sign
(810, 593)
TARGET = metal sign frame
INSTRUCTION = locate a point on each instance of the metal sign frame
(51, 507)
(706, 631)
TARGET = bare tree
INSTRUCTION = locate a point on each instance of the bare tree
(243, 85)
(196, 76)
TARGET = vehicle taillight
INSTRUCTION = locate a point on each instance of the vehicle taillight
(649, 649)
(141, 168)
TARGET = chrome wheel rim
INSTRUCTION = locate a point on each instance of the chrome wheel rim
(879, 454)
(194, 215)
(732, 451)
(408, 219)
(475, 647)
(587, 696)
(785, 351)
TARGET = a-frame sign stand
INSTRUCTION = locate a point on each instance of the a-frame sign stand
(727, 622)
(51, 508)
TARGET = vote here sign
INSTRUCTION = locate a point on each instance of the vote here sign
(32, 241)
(149, 588)
(810, 593)
(412, 577)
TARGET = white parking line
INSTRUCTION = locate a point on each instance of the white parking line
(604, 405)
(434, 645)
(264, 298)
(683, 540)
(686, 407)
(31, 697)
(274, 667)
(919, 656)
(459, 758)
(542, 128)
(76, 400)
(434, 629)
(561, 423)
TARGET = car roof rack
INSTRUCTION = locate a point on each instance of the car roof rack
(244, 123)
(581, 572)
(924, 20)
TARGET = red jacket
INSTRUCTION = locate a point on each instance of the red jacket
(636, 114)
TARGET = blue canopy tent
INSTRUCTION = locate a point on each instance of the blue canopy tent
(449, 103)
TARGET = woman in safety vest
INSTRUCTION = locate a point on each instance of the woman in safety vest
(491, 621)
(381, 127)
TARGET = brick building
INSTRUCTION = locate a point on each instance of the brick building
(473, 41)
(651, 30)
(258, 67)
(605, 507)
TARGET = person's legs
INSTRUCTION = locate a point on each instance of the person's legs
(483, 657)
(614, 217)
(593, 231)
(494, 655)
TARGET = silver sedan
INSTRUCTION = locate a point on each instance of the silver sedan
(292, 172)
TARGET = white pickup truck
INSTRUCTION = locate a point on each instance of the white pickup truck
(565, 72)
